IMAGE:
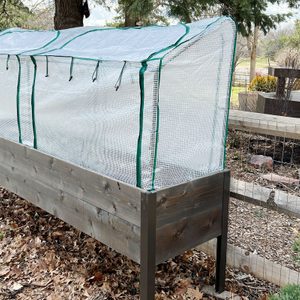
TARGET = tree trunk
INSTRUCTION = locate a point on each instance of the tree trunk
(253, 53)
(129, 22)
(68, 14)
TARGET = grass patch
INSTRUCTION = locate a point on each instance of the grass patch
(261, 63)
(1, 235)
(235, 94)
(296, 249)
(290, 292)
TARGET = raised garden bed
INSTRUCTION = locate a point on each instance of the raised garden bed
(148, 227)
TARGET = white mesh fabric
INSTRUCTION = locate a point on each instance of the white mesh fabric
(8, 92)
(156, 114)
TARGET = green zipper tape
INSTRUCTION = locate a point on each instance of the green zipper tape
(229, 95)
(18, 99)
(33, 103)
(44, 46)
(140, 138)
(157, 127)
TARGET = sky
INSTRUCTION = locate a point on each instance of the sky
(101, 16)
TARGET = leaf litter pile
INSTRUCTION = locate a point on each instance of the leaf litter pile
(42, 257)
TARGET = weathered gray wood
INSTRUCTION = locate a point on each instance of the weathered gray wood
(189, 198)
(265, 124)
(188, 215)
(254, 264)
(38, 189)
(175, 238)
(148, 246)
(112, 196)
(260, 195)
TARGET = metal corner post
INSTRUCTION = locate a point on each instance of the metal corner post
(222, 239)
(148, 246)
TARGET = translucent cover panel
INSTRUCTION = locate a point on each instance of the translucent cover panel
(194, 93)
(154, 121)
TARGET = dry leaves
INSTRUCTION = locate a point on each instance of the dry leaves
(42, 257)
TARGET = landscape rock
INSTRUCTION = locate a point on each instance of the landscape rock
(261, 161)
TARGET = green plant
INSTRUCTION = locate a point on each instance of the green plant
(262, 83)
(296, 249)
(290, 292)
(1, 235)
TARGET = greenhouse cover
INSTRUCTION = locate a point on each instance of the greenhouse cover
(147, 105)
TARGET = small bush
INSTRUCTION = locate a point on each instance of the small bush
(290, 292)
(265, 84)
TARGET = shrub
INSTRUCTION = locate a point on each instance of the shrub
(290, 292)
(263, 84)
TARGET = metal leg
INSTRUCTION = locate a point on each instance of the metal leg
(222, 239)
(221, 263)
(148, 247)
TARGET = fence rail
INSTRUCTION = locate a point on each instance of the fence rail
(265, 124)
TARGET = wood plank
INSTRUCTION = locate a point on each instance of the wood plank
(189, 198)
(254, 264)
(175, 238)
(115, 197)
(115, 232)
(265, 124)
(259, 195)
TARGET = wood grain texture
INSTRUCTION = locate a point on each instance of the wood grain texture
(265, 124)
(175, 238)
(188, 215)
(189, 198)
(115, 197)
(18, 175)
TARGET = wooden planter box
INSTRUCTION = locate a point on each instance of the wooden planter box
(248, 101)
(267, 103)
(148, 227)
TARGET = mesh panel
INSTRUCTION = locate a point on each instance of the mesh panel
(8, 91)
(89, 123)
(193, 108)
(155, 123)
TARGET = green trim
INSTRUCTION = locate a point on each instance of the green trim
(187, 30)
(180, 42)
(33, 103)
(44, 46)
(95, 30)
(157, 127)
(229, 95)
(18, 100)
(140, 138)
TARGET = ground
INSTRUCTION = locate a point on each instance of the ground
(42, 257)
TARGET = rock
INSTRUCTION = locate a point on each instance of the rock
(280, 179)
(261, 161)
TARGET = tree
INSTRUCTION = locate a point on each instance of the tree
(134, 12)
(13, 13)
(250, 17)
(70, 13)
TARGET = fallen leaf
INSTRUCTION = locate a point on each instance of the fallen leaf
(4, 271)
(194, 294)
(16, 287)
